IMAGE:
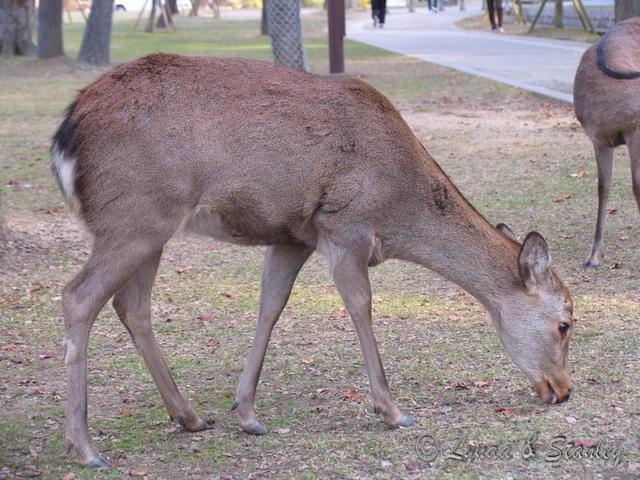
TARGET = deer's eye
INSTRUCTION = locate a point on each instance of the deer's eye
(563, 327)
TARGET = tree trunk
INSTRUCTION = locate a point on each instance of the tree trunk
(559, 22)
(626, 9)
(165, 18)
(285, 29)
(173, 6)
(50, 29)
(151, 24)
(15, 28)
(264, 24)
(97, 34)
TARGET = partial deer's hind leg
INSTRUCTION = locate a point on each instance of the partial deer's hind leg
(109, 267)
(604, 157)
(349, 266)
(281, 266)
(133, 305)
(633, 144)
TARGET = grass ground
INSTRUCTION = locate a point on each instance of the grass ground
(520, 159)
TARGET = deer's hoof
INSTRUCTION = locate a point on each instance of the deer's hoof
(255, 428)
(98, 462)
(196, 426)
(406, 421)
(590, 264)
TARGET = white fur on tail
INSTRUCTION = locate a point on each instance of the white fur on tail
(64, 167)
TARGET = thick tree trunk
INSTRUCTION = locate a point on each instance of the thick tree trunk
(15, 28)
(97, 34)
(151, 24)
(50, 29)
(173, 6)
(559, 22)
(626, 9)
(285, 29)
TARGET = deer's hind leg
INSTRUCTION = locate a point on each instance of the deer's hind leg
(281, 266)
(112, 262)
(604, 157)
(133, 305)
(633, 144)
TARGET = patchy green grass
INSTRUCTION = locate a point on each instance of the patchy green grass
(512, 159)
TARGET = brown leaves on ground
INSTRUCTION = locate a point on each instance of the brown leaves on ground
(506, 411)
(562, 198)
(353, 395)
(341, 313)
(138, 472)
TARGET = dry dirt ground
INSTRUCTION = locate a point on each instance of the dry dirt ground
(519, 159)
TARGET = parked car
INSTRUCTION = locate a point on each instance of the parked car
(137, 5)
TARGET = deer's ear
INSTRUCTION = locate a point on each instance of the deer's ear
(507, 232)
(534, 262)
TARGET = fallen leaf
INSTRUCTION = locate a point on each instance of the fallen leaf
(44, 355)
(461, 386)
(138, 473)
(615, 266)
(578, 442)
(613, 211)
(563, 198)
(414, 466)
(339, 314)
(10, 346)
(206, 318)
(68, 476)
(307, 360)
(227, 325)
(481, 383)
(579, 174)
(229, 295)
(125, 412)
(320, 409)
(179, 271)
(350, 393)
(506, 411)
(40, 390)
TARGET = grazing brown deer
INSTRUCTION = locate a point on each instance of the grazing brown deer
(256, 154)
(606, 99)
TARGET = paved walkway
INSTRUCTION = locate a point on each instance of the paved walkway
(543, 66)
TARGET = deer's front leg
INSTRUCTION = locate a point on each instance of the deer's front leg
(281, 266)
(604, 157)
(350, 272)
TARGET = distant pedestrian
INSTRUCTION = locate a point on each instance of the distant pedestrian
(378, 11)
(496, 7)
(434, 5)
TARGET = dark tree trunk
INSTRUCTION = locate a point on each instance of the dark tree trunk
(626, 9)
(165, 17)
(15, 28)
(97, 34)
(559, 21)
(151, 24)
(173, 6)
(50, 29)
(264, 24)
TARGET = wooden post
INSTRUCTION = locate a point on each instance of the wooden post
(336, 17)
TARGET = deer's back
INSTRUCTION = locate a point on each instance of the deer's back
(605, 106)
(247, 149)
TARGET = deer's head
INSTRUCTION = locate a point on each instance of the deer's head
(536, 323)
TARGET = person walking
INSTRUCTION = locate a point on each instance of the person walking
(378, 11)
(434, 5)
(496, 9)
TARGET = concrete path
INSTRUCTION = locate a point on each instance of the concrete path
(543, 66)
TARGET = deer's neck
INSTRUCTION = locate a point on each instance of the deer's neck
(453, 239)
